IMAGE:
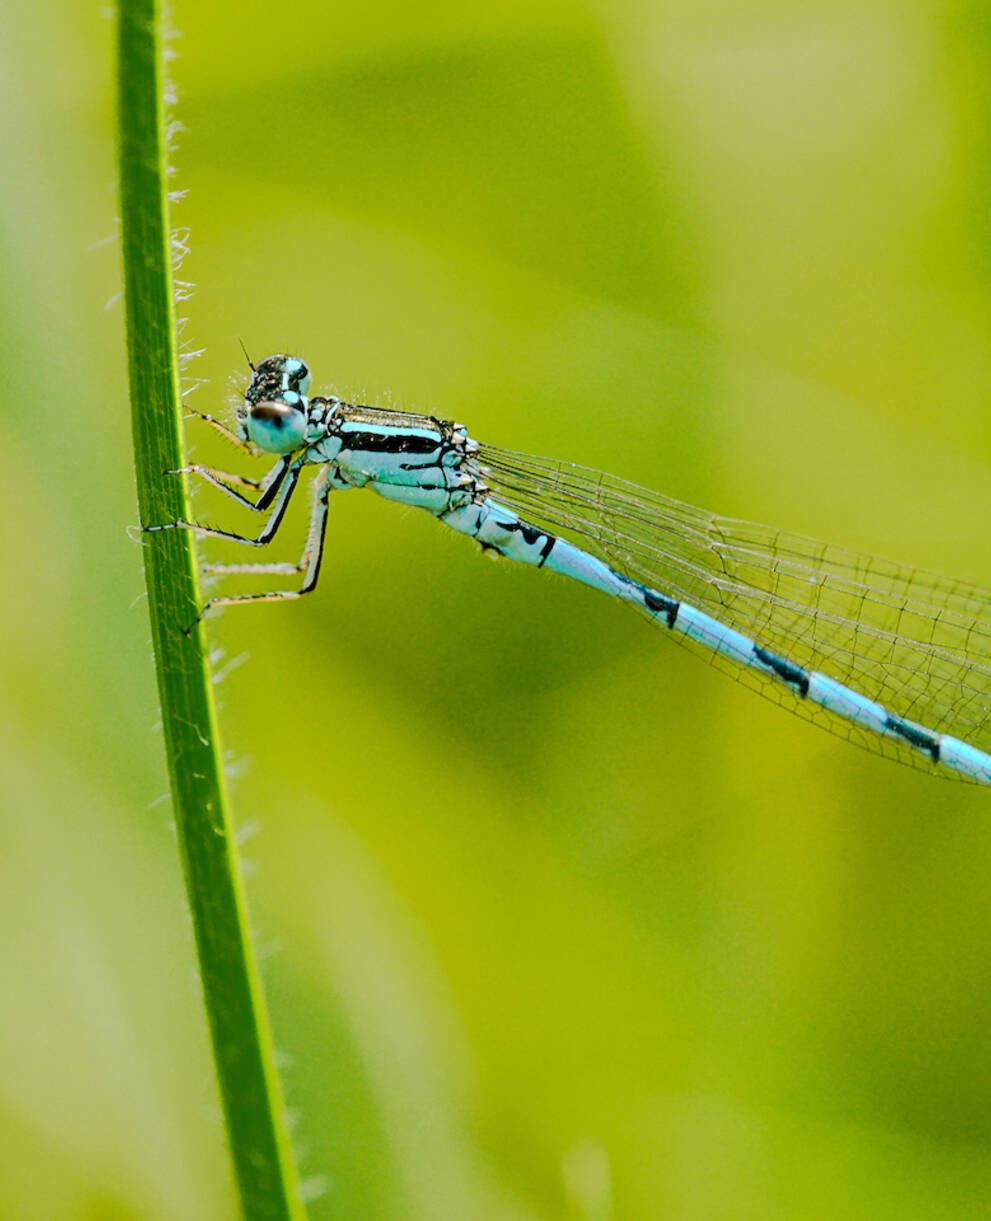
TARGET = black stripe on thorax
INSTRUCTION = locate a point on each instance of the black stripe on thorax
(389, 443)
(921, 739)
(795, 676)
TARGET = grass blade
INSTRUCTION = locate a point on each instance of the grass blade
(242, 1042)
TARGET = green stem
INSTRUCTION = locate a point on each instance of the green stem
(239, 1026)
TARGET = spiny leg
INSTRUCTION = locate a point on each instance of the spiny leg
(267, 487)
(310, 559)
(281, 568)
(224, 431)
(288, 485)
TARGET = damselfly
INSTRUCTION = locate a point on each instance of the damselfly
(893, 658)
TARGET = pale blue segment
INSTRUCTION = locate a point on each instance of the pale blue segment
(500, 527)
(434, 499)
(707, 631)
(967, 760)
(836, 698)
(571, 561)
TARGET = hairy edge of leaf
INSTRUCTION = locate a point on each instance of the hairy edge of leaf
(242, 1039)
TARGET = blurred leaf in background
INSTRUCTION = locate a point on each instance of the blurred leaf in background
(564, 924)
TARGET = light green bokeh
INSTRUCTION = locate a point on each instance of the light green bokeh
(564, 924)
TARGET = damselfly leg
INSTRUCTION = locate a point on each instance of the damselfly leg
(280, 492)
(219, 426)
(276, 490)
(267, 487)
(310, 559)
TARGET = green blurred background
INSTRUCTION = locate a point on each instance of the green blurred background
(559, 923)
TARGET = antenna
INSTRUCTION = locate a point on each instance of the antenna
(246, 356)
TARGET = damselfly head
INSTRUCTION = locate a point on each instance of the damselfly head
(275, 407)
(276, 373)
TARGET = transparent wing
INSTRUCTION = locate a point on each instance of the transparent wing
(918, 643)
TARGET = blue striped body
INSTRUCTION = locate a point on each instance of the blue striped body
(897, 659)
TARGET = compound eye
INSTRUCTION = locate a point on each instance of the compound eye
(276, 426)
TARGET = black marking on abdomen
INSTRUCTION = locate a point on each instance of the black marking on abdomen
(793, 675)
(657, 604)
(921, 739)
(548, 547)
(532, 535)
